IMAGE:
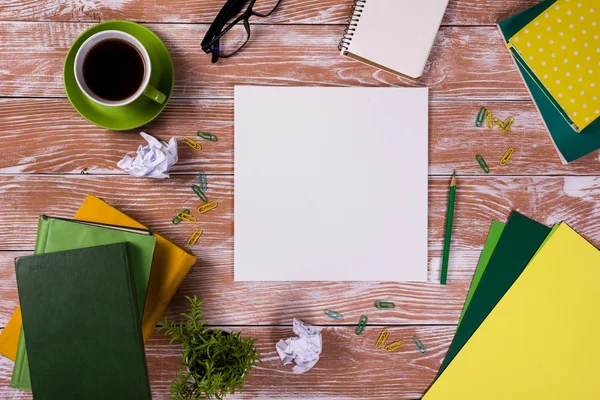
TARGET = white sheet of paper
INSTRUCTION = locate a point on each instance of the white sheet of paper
(330, 184)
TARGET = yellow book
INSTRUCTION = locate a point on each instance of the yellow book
(561, 50)
(541, 339)
(9, 337)
(169, 266)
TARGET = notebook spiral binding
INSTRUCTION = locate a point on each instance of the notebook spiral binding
(355, 13)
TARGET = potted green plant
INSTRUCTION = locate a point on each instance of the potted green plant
(213, 363)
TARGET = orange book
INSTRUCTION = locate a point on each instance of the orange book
(170, 265)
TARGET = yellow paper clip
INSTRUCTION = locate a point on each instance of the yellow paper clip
(192, 143)
(499, 123)
(176, 219)
(207, 207)
(489, 119)
(382, 338)
(419, 344)
(394, 346)
(504, 125)
(186, 217)
(506, 157)
(195, 236)
(508, 123)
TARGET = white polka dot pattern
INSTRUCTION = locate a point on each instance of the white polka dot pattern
(562, 48)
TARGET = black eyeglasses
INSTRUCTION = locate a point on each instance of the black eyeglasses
(228, 41)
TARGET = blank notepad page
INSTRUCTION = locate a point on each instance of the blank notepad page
(330, 184)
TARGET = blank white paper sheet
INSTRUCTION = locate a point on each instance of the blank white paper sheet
(330, 184)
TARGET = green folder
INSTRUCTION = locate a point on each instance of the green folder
(520, 240)
(493, 237)
(57, 234)
(570, 145)
(82, 324)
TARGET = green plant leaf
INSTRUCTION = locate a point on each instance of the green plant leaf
(213, 362)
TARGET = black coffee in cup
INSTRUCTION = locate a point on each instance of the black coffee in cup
(113, 70)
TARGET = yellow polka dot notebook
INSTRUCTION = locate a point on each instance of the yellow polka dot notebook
(560, 49)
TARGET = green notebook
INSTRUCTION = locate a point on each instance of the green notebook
(570, 145)
(520, 240)
(57, 234)
(82, 324)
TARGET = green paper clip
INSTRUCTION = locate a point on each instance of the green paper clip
(200, 193)
(419, 344)
(203, 181)
(206, 136)
(334, 315)
(362, 323)
(177, 220)
(384, 304)
(482, 164)
(480, 117)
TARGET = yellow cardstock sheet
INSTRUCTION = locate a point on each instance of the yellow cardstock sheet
(541, 341)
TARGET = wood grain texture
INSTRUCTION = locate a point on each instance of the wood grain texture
(348, 368)
(465, 62)
(479, 200)
(463, 12)
(72, 145)
(273, 303)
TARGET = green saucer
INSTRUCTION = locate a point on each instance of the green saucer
(141, 111)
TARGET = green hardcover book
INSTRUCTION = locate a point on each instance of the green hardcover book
(57, 234)
(570, 144)
(518, 243)
(82, 324)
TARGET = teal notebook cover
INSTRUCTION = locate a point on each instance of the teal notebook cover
(57, 234)
(82, 324)
(571, 145)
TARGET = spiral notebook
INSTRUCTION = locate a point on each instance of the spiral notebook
(394, 35)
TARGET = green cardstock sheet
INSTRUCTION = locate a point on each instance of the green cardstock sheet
(494, 234)
(520, 240)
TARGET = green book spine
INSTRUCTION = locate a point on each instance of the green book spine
(20, 378)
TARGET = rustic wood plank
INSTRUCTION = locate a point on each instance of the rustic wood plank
(268, 303)
(459, 12)
(39, 138)
(479, 200)
(348, 367)
(466, 62)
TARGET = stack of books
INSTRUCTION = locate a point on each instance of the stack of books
(90, 296)
(556, 47)
(529, 328)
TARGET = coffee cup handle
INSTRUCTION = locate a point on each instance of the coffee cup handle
(154, 94)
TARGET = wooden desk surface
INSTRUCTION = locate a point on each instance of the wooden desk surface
(50, 159)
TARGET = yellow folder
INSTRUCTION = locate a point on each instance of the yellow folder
(169, 266)
(541, 339)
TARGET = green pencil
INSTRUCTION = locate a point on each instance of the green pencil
(448, 239)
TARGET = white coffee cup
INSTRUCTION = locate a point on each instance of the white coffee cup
(145, 88)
